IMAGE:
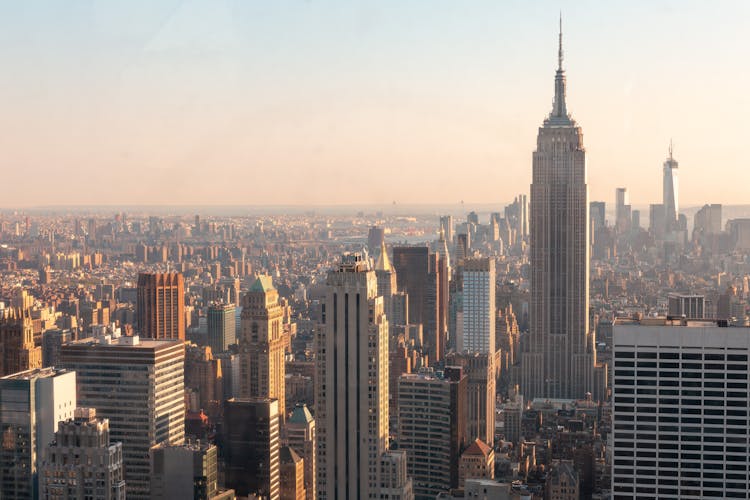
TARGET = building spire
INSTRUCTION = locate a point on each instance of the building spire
(559, 115)
(670, 149)
(560, 49)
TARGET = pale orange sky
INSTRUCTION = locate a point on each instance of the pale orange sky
(181, 102)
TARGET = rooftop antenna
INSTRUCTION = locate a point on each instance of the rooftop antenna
(670, 148)
(560, 49)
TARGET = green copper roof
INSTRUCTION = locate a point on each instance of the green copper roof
(262, 284)
(300, 415)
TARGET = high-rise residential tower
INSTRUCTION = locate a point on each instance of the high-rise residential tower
(559, 356)
(670, 191)
(478, 332)
(352, 389)
(161, 305)
(262, 344)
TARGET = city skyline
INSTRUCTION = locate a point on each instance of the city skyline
(320, 337)
(202, 97)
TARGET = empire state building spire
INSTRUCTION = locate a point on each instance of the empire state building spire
(558, 360)
(559, 49)
(559, 114)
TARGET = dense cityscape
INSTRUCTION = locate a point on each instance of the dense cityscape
(554, 347)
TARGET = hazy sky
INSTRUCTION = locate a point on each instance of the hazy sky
(296, 102)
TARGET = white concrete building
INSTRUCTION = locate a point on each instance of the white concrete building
(681, 404)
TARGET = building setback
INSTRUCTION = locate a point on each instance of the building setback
(82, 462)
(558, 359)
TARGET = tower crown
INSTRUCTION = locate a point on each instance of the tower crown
(559, 114)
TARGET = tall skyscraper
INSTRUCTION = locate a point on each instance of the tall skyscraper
(478, 332)
(597, 211)
(352, 383)
(250, 437)
(670, 191)
(375, 239)
(432, 428)
(446, 225)
(387, 284)
(138, 385)
(622, 208)
(481, 392)
(412, 266)
(516, 215)
(221, 327)
(262, 368)
(707, 220)
(421, 275)
(82, 462)
(656, 219)
(559, 356)
(681, 405)
(161, 305)
(441, 273)
(435, 323)
(32, 403)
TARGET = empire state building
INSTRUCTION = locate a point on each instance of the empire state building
(558, 359)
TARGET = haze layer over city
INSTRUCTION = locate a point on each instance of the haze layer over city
(398, 251)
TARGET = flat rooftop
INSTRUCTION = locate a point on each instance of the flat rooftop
(675, 321)
(133, 342)
(36, 373)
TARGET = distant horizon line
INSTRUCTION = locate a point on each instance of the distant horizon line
(317, 205)
(300, 209)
